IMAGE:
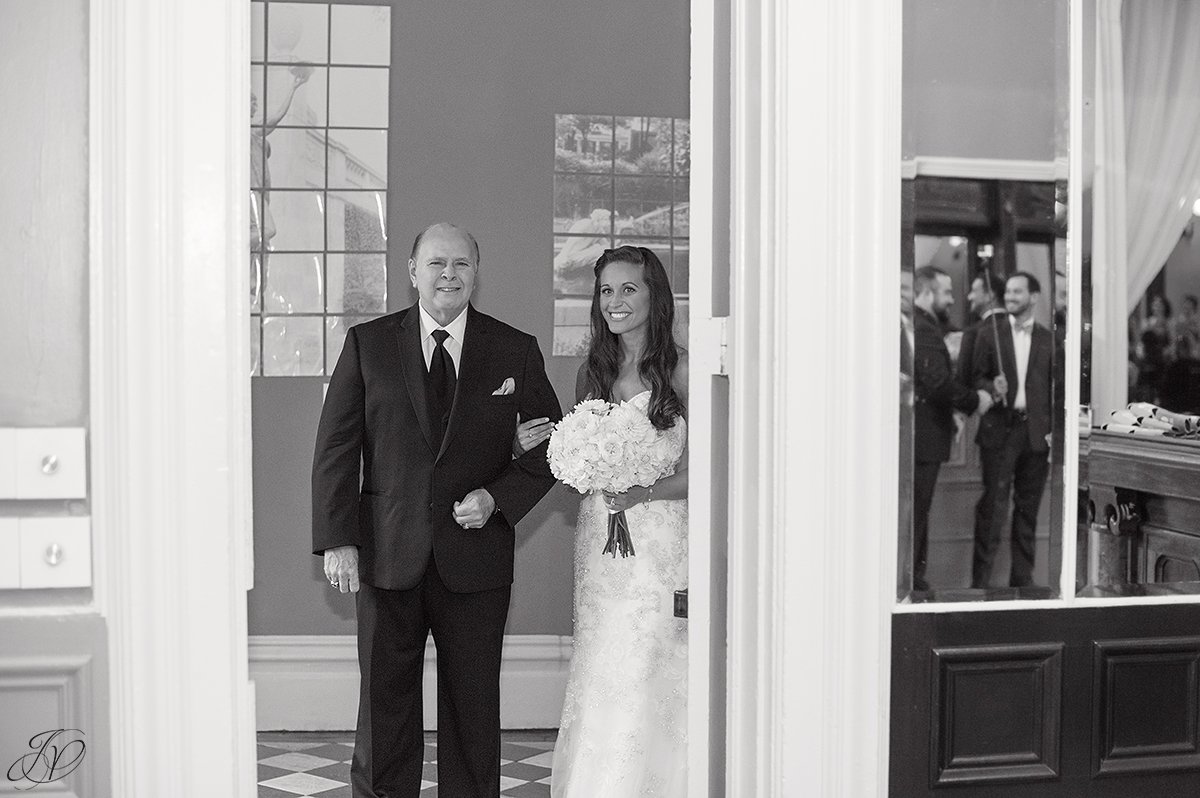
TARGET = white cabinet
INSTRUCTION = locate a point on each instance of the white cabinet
(43, 464)
(8, 463)
(55, 552)
(10, 553)
(50, 463)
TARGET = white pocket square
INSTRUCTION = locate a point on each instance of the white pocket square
(509, 386)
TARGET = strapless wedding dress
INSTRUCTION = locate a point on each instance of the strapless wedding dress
(624, 723)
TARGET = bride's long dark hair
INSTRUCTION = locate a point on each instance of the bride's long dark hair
(660, 356)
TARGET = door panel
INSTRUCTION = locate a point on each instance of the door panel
(1098, 702)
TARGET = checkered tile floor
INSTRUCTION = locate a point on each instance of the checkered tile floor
(317, 764)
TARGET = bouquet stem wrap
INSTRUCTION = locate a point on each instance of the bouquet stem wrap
(618, 536)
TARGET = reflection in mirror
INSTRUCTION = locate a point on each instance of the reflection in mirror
(983, 309)
(1140, 386)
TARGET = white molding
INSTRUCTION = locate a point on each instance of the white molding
(310, 682)
(1073, 352)
(816, 207)
(984, 168)
(704, 344)
(1071, 602)
(168, 235)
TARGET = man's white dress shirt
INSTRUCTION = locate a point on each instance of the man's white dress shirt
(1022, 335)
(453, 344)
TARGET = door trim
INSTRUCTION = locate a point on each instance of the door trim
(816, 228)
(170, 391)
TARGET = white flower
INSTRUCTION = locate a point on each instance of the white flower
(602, 446)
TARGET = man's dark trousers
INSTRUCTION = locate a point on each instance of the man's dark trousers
(1015, 468)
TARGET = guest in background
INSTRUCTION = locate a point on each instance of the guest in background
(1185, 330)
(986, 299)
(987, 302)
(937, 395)
(907, 343)
(1179, 388)
(907, 337)
(1155, 349)
(1014, 436)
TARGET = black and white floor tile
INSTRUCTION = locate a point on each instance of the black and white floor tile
(317, 764)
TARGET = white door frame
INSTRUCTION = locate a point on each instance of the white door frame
(169, 233)
(815, 232)
(814, 365)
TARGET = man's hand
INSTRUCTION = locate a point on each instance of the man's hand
(1000, 385)
(960, 421)
(475, 509)
(985, 402)
(341, 568)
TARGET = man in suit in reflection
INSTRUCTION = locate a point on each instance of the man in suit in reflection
(937, 395)
(904, 562)
(422, 407)
(987, 305)
(1014, 436)
(986, 299)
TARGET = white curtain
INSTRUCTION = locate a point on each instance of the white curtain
(1148, 164)
(1162, 131)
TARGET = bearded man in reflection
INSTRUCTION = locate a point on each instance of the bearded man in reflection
(1014, 436)
(937, 395)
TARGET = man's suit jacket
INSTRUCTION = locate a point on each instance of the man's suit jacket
(993, 428)
(970, 336)
(376, 414)
(937, 393)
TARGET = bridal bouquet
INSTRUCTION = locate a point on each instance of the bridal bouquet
(601, 446)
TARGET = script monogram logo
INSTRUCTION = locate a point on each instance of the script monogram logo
(53, 756)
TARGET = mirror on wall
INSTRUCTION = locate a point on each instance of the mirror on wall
(983, 299)
(1139, 520)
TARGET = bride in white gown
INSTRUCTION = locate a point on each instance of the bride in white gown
(624, 722)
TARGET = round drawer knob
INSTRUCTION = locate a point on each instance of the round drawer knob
(50, 465)
(54, 554)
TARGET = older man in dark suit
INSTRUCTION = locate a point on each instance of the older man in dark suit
(1014, 437)
(937, 394)
(426, 400)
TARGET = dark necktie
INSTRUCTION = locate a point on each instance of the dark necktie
(442, 381)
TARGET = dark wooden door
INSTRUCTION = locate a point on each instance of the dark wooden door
(1100, 702)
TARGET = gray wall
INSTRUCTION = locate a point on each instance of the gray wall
(43, 212)
(53, 667)
(43, 237)
(985, 78)
(475, 87)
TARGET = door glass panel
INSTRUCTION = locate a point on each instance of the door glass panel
(982, 321)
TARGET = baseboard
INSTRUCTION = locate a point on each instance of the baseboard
(310, 682)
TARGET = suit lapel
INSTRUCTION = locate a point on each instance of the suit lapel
(1008, 354)
(1039, 355)
(470, 373)
(412, 363)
